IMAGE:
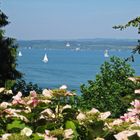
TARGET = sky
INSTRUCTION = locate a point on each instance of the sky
(69, 19)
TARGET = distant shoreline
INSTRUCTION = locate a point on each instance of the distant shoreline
(91, 44)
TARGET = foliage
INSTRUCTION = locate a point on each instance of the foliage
(25, 88)
(21, 86)
(111, 90)
(39, 116)
(8, 52)
(134, 23)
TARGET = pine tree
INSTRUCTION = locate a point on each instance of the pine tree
(8, 56)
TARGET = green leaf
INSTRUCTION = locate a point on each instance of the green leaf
(96, 129)
(71, 125)
(15, 124)
(37, 137)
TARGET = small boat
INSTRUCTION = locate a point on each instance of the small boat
(19, 53)
(45, 59)
(77, 49)
(106, 53)
(67, 44)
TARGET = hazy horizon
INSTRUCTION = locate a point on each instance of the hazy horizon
(76, 39)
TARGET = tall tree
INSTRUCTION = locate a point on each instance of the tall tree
(8, 55)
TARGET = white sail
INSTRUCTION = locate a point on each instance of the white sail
(106, 53)
(19, 53)
(68, 44)
(77, 49)
(45, 59)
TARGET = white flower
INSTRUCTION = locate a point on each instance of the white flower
(5, 136)
(66, 106)
(48, 112)
(93, 111)
(69, 94)
(40, 135)
(11, 111)
(81, 116)
(99, 138)
(137, 91)
(132, 79)
(68, 134)
(22, 118)
(50, 138)
(47, 93)
(2, 89)
(117, 122)
(14, 113)
(26, 131)
(63, 87)
(45, 101)
(138, 132)
(5, 104)
(124, 135)
(138, 122)
(105, 115)
(8, 92)
(28, 110)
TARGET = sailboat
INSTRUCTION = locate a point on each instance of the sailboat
(106, 53)
(45, 59)
(67, 44)
(19, 53)
(77, 49)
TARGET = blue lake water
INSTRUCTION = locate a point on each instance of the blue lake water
(69, 67)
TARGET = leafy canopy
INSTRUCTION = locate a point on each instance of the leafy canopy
(111, 90)
(134, 23)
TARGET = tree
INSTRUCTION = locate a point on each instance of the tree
(134, 23)
(111, 90)
(8, 55)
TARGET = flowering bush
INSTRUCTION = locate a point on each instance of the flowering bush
(48, 116)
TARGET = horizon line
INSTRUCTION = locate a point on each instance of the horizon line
(76, 39)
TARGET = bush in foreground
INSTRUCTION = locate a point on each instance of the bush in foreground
(48, 116)
(111, 90)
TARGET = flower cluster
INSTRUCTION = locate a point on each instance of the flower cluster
(50, 116)
(133, 113)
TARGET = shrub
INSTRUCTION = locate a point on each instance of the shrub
(25, 87)
(40, 117)
(111, 89)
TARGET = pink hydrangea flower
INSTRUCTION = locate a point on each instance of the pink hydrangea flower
(136, 104)
(48, 137)
(33, 93)
(33, 102)
(17, 99)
